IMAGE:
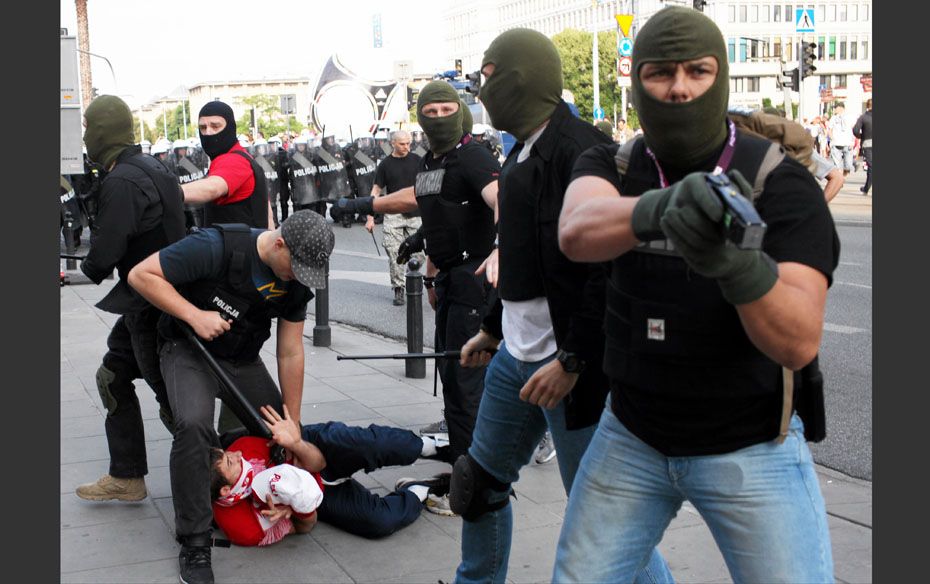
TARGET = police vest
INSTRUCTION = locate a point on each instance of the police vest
(669, 329)
(234, 296)
(252, 210)
(455, 232)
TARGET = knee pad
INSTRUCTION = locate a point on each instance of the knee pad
(106, 380)
(474, 491)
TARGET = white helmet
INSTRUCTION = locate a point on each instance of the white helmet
(193, 143)
(259, 142)
(159, 147)
(146, 146)
(301, 140)
(179, 144)
(275, 140)
(244, 141)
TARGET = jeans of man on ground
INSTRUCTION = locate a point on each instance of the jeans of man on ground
(348, 449)
(505, 437)
(762, 504)
(192, 391)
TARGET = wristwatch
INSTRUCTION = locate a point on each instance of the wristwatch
(571, 362)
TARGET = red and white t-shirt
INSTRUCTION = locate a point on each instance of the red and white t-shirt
(242, 521)
(237, 172)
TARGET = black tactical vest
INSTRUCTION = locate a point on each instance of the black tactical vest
(665, 322)
(235, 297)
(454, 232)
(253, 210)
(520, 273)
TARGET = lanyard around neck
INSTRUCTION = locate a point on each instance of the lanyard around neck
(722, 164)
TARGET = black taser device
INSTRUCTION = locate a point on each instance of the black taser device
(745, 228)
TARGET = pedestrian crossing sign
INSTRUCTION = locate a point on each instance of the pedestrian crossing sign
(804, 20)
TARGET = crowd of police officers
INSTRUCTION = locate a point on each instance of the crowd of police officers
(306, 174)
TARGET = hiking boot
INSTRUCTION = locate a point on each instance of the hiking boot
(108, 487)
(439, 505)
(439, 427)
(398, 296)
(194, 559)
(545, 450)
(437, 485)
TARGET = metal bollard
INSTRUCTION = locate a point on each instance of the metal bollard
(70, 247)
(322, 334)
(414, 368)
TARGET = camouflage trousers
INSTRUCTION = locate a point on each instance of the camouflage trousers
(396, 229)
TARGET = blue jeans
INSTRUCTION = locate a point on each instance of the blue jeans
(842, 157)
(762, 504)
(506, 434)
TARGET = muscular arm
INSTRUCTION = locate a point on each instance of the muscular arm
(786, 324)
(149, 280)
(595, 222)
(290, 356)
(205, 190)
(402, 201)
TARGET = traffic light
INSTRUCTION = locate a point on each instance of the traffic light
(458, 68)
(474, 82)
(807, 60)
(795, 80)
(789, 79)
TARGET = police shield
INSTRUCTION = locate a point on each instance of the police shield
(302, 174)
(360, 158)
(267, 160)
(330, 163)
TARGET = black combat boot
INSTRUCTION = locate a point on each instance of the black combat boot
(194, 558)
(398, 296)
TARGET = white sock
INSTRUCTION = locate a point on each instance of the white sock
(429, 446)
(421, 491)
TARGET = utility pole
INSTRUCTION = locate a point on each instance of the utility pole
(84, 52)
(596, 85)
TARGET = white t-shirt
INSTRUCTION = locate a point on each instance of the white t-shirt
(841, 131)
(526, 324)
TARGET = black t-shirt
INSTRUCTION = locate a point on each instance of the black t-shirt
(199, 256)
(469, 168)
(394, 173)
(800, 229)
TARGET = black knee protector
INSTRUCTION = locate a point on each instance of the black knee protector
(112, 383)
(474, 491)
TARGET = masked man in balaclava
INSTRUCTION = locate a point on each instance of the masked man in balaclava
(546, 374)
(234, 189)
(711, 348)
(456, 192)
(140, 209)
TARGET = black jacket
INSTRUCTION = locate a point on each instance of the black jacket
(574, 291)
(138, 212)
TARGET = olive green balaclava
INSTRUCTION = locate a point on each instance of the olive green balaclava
(109, 129)
(526, 85)
(468, 121)
(682, 134)
(605, 127)
(445, 132)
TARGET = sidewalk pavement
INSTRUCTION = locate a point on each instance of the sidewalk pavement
(134, 542)
(850, 206)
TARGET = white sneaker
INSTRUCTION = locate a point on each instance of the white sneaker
(439, 505)
(545, 451)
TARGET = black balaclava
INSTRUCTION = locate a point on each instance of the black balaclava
(222, 141)
(109, 129)
(445, 132)
(682, 134)
(526, 85)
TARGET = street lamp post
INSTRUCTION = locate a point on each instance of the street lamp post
(115, 85)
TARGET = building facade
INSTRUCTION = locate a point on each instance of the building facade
(760, 36)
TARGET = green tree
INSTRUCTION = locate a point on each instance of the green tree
(574, 48)
(269, 119)
(175, 123)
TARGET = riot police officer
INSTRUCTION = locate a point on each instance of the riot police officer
(302, 177)
(267, 159)
(333, 176)
(186, 171)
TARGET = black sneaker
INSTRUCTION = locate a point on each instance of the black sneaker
(194, 559)
(438, 485)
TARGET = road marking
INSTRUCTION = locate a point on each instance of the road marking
(853, 284)
(379, 278)
(842, 329)
(850, 264)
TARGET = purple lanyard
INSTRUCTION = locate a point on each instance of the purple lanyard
(722, 164)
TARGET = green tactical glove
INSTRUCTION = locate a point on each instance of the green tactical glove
(697, 231)
(652, 204)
